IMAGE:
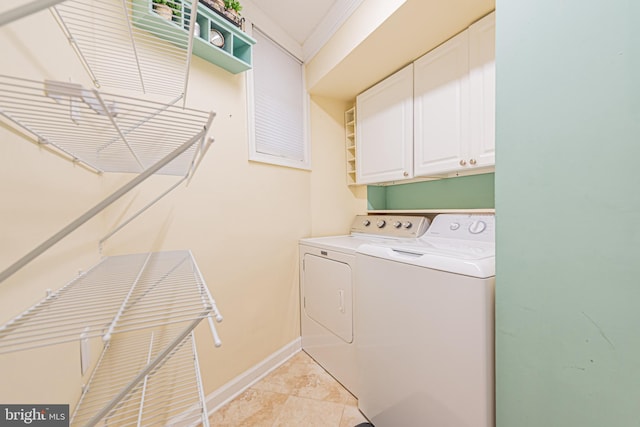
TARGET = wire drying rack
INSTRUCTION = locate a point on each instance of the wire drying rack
(109, 133)
(144, 307)
(120, 294)
(112, 40)
(170, 393)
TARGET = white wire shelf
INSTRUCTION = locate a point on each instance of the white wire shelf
(120, 294)
(169, 393)
(112, 40)
(145, 306)
(110, 133)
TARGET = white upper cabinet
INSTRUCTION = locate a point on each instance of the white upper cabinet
(435, 117)
(384, 131)
(441, 91)
(454, 101)
(482, 84)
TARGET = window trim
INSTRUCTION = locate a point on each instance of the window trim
(256, 156)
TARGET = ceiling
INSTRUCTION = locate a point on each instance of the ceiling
(296, 18)
(301, 27)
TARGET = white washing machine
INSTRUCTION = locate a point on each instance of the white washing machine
(327, 278)
(425, 319)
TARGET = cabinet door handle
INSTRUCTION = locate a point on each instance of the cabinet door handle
(472, 161)
(405, 173)
(463, 163)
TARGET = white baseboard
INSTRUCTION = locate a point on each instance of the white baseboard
(236, 386)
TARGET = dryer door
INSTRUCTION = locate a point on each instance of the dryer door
(328, 294)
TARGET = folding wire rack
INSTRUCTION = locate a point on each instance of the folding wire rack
(166, 395)
(120, 294)
(109, 133)
(145, 307)
(112, 40)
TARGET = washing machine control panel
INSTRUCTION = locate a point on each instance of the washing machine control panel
(391, 225)
(479, 227)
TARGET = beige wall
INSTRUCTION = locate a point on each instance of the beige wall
(333, 203)
(241, 220)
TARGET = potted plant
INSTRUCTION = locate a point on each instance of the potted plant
(168, 9)
(232, 10)
(233, 6)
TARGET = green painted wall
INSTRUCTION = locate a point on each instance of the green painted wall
(568, 213)
(468, 192)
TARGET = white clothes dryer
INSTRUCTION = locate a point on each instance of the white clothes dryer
(327, 278)
(425, 319)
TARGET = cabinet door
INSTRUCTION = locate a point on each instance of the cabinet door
(441, 107)
(384, 130)
(482, 86)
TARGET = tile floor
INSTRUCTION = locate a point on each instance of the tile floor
(298, 393)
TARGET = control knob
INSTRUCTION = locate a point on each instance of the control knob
(397, 224)
(407, 225)
(366, 222)
(477, 227)
(454, 226)
(381, 223)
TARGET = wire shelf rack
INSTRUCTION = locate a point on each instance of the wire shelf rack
(109, 133)
(112, 38)
(170, 393)
(120, 294)
(144, 306)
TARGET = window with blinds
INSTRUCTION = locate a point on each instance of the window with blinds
(279, 106)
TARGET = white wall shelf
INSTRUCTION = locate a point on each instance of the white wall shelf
(109, 133)
(120, 294)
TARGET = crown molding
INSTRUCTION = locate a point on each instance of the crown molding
(332, 21)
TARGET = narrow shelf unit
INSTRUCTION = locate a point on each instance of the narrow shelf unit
(144, 307)
(234, 56)
(350, 144)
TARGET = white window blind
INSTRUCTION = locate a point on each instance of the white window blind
(279, 105)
